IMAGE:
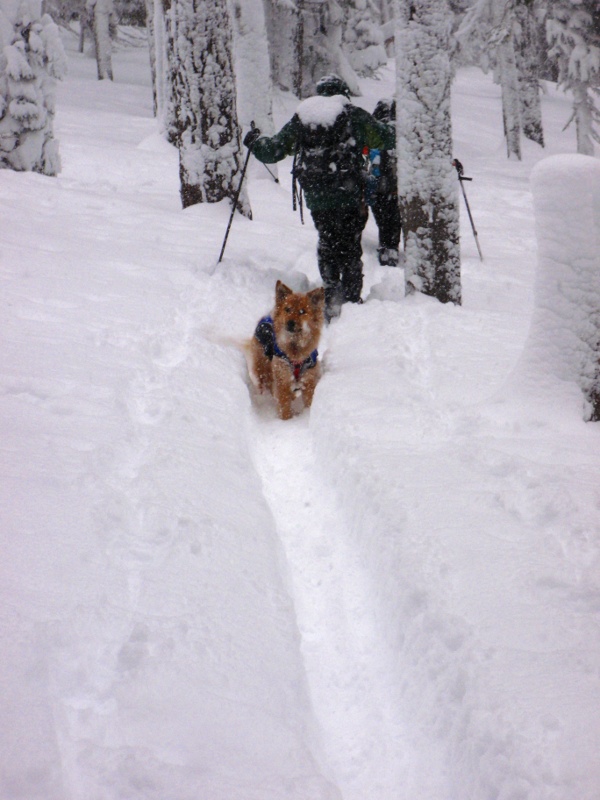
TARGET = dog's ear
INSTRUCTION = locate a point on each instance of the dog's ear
(281, 292)
(317, 297)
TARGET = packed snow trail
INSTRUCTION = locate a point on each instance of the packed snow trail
(349, 670)
(152, 647)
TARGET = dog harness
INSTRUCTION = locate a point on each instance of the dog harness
(265, 333)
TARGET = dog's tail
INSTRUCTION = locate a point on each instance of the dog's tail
(229, 341)
(244, 346)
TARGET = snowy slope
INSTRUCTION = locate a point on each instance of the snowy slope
(393, 597)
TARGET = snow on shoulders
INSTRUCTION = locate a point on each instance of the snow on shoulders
(321, 110)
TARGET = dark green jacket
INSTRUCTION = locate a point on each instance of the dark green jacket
(367, 131)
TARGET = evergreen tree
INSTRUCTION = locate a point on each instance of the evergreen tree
(103, 22)
(152, 47)
(167, 67)
(251, 65)
(281, 18)
(65, 11)
(163, 64)
(131, 12)
(362, 37)
(318, 45)
(427, 183)
(529, 49)
(573, 31)
(504, 40)
(305, 43)
(386, 11)
(30, 63)
(493, 23)
(206, 132)
(505, 35)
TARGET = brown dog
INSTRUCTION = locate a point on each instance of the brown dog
(283, 357)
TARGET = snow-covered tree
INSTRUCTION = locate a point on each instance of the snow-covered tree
(103, 22)
(281, 18)
(163, 62)
(167, 67)
(131, 12)
(386, 22)
(427, 184)
(493, 23)
(573, 31)
(305, 43)
(564, 337)
(386, 10)
(318, 44)
(31, 61)
(251, 65)
(150, 25)
(64, 11)
(207, 132)
(362, 37)
(504, 36)
(529, 50)
(508, 74)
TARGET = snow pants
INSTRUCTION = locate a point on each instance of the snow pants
(339, 252)
(387, 216)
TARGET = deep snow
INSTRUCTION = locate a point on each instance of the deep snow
(394, 596)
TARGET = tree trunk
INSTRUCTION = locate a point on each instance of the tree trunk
(167, 67)
(528, 67)
(583, 113)
(299, 51)
(509, 84)
(281, 23)
(254, 93)
(428, 189)
(83, 23)
(507, 75)
(101, 23)
(531, 109)
(207, 132)
(152, 49)
(318, 46)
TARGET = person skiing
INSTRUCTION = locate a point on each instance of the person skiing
(382, 190)
(327, 135)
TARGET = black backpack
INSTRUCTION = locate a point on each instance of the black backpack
(327, 157)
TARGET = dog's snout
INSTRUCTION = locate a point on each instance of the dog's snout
(291, 325)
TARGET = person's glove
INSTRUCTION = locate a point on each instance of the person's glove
(251, 137)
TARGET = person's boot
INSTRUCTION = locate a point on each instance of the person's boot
(388, 256)
(333, 302)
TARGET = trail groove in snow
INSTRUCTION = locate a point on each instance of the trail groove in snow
(350, 683)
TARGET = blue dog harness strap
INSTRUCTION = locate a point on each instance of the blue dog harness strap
(265, 333)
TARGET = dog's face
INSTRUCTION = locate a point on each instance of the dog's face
(298, 320)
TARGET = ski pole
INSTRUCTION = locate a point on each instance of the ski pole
(461, 177)
(275, 178)
(236, 198)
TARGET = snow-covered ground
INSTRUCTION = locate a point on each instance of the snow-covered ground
(395, 596)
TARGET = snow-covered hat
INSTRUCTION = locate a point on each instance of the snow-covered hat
(330, 85)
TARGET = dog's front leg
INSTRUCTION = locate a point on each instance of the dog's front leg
(282, 388)
(309, 383)
(260, 368)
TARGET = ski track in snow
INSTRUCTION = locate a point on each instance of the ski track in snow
(351, 689)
